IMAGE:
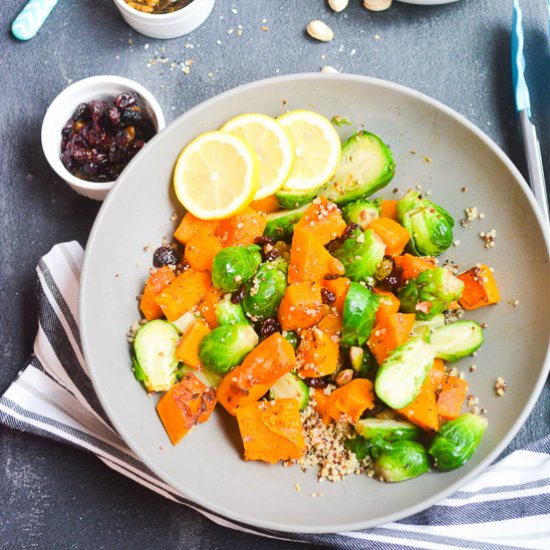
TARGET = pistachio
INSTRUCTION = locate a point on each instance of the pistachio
(338, 5)
(344, 377)
(320, 31)
(328, 69)
(377, 5)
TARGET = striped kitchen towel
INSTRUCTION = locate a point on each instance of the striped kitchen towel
(507, 506)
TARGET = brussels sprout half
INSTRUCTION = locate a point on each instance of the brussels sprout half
(456, 340)
(228, 313)
(226, 346)
(360, 308)
(362, 212)
(264, 292)
(390, 430)
(234, 266)
(430, 225)
(401, 375)
(430, 293)
(457, 441)
(361, 254)
(403, 460)
(366, 165)
(280, 225)
(155, 358)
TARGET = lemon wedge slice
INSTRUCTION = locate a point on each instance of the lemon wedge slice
(316, 148)
(216, 175)
(272, 145)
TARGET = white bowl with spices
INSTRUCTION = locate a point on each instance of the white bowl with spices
(142, 15)
(62, 110)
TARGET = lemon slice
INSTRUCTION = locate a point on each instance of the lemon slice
(272, 145)
(216, 175)
(316, 148)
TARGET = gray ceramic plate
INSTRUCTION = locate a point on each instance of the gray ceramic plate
(435, 148)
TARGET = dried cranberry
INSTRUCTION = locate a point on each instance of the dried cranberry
(132, 116)
(318, 382)
(113, 115)
(263, 240)
(98, 108)
(164, 255)
(268, 326)
(125, 99)
(328, 296)
(238, 295)
(82, 113)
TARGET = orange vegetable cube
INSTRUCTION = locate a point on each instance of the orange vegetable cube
(265, 206)
(423, 411)
(183, 293)
(207, 307)
(388, 305)
(394, 235)
(351, 400)
(310, 260)
(320, 404)
(301, 306)
(200, 251)
(331, 322)
(412, 266)
(188, 348)
(241, 229)
(324, 220)
(389, 209)
(437, 374)
(317, 354)
(392, 332)
(271, 430)
(156, 283)
(191, 226)
(186, 403)
(261, 368)
(339, 287)
(480, 288)
(451, 397)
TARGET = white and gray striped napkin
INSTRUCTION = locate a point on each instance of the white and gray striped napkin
(507, 506)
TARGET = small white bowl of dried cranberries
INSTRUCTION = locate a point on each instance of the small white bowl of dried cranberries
(94, 128)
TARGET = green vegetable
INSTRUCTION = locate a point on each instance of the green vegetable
(359, 315)
(295, 198)
(390, 430)
(457, 441)
(155, 359)
(234, 266)
(359, 446)
(366, 165)
(362, 211)
(264, 292)
(403, 460)
(280, 225)
(339, 120)
(430, 225)
(430, 293)
(289, 386)
(361, 360)
(401, 375)
(292, 338)
(456, 340)
(226, 346)
(228, 313)
(361, 254)
(424, 329)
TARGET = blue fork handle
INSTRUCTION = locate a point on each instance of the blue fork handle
(31, 17)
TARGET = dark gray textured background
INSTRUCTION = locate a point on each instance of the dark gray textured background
(53, 496)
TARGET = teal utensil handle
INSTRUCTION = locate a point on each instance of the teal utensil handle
(31, 17)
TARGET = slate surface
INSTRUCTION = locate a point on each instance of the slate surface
(53, 496)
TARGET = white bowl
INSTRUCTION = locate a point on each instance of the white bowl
(166, 25)
(105, 87)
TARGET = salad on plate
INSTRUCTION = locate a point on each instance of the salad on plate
(314, 312)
